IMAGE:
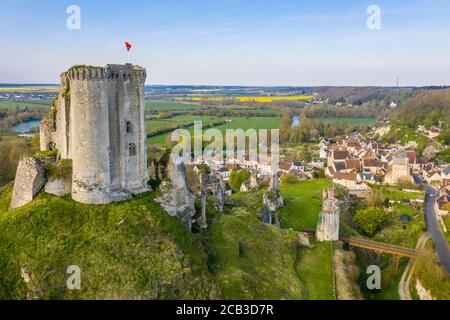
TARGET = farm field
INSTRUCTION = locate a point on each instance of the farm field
(393, 193)
(170, 105)
(263, 99)
(236, 123)
(302, 205)
(29, 89)
(348, 121)
(256, 123)
(10, 105)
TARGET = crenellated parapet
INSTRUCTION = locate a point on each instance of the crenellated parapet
(85, 73)
(110, 72)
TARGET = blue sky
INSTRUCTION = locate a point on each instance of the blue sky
(231, 42)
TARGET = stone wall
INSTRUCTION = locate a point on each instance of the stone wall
(58, 186)
(176, 199)
(328, 224)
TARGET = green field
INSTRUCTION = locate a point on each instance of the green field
(158, 124)
(256, 123)
(170, 105)
(11, 138)
(303, 202)
(315, 270)
(393, 193)
(308, 271)
(173, 123)
(251, 260)
(302, 205)
(236, 123)
(348, 121)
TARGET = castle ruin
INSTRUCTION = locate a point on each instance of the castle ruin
(98, 122)
(328, 224)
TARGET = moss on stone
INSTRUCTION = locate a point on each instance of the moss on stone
(63, 169)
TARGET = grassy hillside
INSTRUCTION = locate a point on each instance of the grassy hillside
(348, 121)
(252, 260)
(426, 108)
(134, 250)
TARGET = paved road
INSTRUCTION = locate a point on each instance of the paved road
(433, 227)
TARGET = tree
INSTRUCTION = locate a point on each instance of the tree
(285, 127)
(289, 178)
(370, 220)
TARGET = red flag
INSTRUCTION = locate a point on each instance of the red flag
(128, 46)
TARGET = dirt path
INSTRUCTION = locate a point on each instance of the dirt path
(403, 286)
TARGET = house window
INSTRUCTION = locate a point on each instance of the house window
(128, 127)
(132, 149)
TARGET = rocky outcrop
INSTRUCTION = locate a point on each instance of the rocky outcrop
(303, 239)
(58, 186)
(30, 178)
(430, 152)
(423, 293)
(176, 199)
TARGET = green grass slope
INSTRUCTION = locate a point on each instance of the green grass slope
(134, 250)
(126, 250)
(251, 260)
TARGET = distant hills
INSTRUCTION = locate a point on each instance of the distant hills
(427, 108)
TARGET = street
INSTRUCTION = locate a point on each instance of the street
(433, 227)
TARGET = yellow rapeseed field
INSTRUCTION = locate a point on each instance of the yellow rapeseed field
(30, 89)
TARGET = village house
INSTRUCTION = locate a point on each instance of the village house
(323, 153)
(367, 177)
(372, 164)
(338, 156)
(353, 146)
(350, 181)
(442, 204)
(318, 163)
(421, 128)
(224, 172)
(432, 176)
(445, 177)
(297, 165)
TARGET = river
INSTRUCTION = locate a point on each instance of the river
(295, 121)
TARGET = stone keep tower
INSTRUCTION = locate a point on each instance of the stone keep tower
(328, 224)
(98, 122)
